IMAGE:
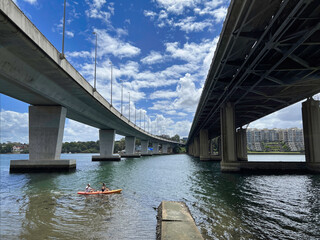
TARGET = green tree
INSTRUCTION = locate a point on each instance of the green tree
(176, 138)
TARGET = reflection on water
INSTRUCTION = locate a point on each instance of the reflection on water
(224, 206)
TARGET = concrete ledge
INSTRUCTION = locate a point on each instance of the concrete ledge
(146, 154)
(313, 167)
(107, 158)
(215, 158)
(175, 222)
(134, 155)
(21, 166)
(205, 158)
(264, 167)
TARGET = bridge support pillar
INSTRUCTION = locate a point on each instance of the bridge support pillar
(164, 148)
(155, 146)
(204, 145)
(144, 148)
(106, 143)
(130, 148)
(196, 144)
(241, 137)
(228, 139)
(311, 132)
(46, 126)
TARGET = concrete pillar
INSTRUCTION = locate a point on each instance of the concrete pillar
(130, 144)
(204, 145)
(144, 148)
(46, 126)
(196, 144)
(311, 133)
(106, 143)
(228, 138)
(241, 137)
(164, 148)
(130, 148)
(155, 146)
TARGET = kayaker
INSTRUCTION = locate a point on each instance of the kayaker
(104, 188)
(89, 188)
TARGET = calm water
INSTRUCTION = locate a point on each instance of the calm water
(225, 206)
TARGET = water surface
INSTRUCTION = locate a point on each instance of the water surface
(224, 206)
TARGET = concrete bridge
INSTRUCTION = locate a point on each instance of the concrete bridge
(32, 71)
(267, 58)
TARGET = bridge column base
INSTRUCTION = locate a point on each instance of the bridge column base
(146, 154)
(114, 157)
(106, 144)
(46, 126)
(230, 166)
(128, 155)
(22, 166)
(313, 167)
(270, 167)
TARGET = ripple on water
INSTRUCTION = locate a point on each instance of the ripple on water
(224, 206)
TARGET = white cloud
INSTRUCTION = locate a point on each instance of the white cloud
(187, 97)
(150, 14)
(176, 6)
(219, 14)
(70, 34)
(153, 57)
(109, 45)
(75, 131)
(31, 1)
(190, 25)
(115, 46)
(191, 52)
(81, 54)
(95, 10)
(14, 126)
(163, 94)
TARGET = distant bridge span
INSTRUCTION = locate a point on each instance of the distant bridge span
(267, 58)
(32, 71)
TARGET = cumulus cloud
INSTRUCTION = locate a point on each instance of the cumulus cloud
(163, 94)
(187, 97)
(189, 24)
(176, 6)
(14, 126)
(31, 1)
(95, 10)
(152, 58)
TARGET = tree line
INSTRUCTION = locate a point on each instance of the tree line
(82, 147)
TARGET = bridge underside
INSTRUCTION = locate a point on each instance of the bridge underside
(267, 58)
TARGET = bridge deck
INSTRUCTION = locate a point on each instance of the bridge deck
(268, 57)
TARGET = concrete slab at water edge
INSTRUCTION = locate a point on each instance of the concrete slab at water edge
(175, 222)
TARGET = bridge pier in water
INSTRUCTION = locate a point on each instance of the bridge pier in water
(106, 144)
(46, 126)
(130, 148)
(164, 148)
(155, 148)
(144, 148)
(204, 145)
(311, 132)
(196, 147)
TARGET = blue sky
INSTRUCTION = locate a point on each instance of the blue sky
(160, 49)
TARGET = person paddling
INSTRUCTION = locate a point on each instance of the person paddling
(89, 188)
(104, 188)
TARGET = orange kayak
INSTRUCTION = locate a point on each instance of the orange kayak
(100, 192)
